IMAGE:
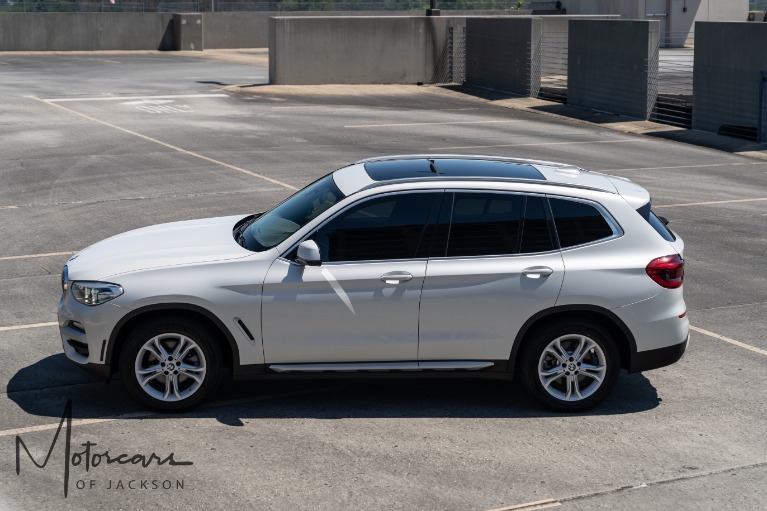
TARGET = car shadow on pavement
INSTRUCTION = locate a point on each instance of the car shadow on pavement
(309, 398)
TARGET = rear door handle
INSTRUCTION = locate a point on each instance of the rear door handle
(396, 277)
(536, 272)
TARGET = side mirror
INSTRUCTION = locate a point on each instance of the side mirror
(308, 253)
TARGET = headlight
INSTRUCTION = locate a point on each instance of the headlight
(65, 280)
(95, 293)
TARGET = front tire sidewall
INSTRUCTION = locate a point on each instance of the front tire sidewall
(538, 340)
(205, 340)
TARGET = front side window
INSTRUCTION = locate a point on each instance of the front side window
(387, 227)
(578, 223)
(275, 226)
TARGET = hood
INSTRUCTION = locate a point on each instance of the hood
(172, 244)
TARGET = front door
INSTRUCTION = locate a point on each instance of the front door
(361, 304)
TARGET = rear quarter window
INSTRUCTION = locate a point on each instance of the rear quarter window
(648, 214)
(578, 223)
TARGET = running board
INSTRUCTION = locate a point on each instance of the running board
(450, 365)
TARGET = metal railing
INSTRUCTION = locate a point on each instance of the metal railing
(553, 67)
(674, 81)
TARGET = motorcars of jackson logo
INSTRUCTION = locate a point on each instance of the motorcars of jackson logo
(87, 457)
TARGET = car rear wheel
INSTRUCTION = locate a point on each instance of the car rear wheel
(570, 366)
(170, 364)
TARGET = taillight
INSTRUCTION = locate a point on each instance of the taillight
(668, 271)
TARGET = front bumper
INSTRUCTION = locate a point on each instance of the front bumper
(85, 332)
(660, 357)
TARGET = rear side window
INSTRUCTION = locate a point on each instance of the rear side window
(536, 236)
(485, 224)
(578, 223)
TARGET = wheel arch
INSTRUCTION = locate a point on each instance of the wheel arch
(607, 319)
(231, 353)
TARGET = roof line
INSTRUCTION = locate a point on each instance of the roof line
(432, 179)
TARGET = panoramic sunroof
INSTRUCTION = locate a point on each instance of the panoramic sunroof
(404, 169)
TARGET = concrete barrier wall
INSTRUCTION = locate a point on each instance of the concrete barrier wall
(501, 54)
(85, 31)
(355, 50)
(153, 31)
(610, 65)
(729, 59)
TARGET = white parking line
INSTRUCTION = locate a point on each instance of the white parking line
(627, 141)
(25, 327)
(709, 203)
(124, 98)
(9, 207)
(727, 339)
(165, 144)
(35, 256)
(431, 124)
(138, 415)
(739, 164)
(531, 506)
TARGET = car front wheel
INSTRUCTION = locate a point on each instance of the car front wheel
(570, 366)
(170, 365)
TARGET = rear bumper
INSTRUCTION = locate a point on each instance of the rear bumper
(660, 357)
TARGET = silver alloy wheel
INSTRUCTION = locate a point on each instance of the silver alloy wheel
(170, 367)
(572, 367)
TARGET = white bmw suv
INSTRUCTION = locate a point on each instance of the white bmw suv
(393, 266)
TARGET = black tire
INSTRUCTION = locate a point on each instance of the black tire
(196, 377)
(569, 374)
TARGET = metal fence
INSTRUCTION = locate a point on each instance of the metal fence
(244, 5)
(675, 71)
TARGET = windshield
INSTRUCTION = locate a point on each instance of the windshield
(275, 226)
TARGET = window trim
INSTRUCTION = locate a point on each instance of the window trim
(429, 219)
(618, 231)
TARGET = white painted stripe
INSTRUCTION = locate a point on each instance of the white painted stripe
(75, 422)
(138, 415)
(627, 141)
(25, 327)
(9, 207)
(169, 146)
(727, 339)
(433, 124)
(739, 164)
(710, 203)
(530, 506)
(126, 98)
(34, 256)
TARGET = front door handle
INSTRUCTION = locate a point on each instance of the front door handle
(396, 277)
(536, 272)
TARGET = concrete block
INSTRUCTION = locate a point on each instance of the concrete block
(727, 75)
(187, 31)
(613, 66)
(355, 50)
(503, 54)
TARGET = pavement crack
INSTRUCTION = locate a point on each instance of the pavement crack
(663, 481)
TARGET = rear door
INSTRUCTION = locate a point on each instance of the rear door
(497, 266)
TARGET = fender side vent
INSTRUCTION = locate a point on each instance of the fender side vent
(245, 329)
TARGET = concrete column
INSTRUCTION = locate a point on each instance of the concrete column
(503, 54)
(613, 66)
(727, 79)
(187, 31)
